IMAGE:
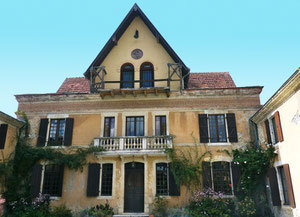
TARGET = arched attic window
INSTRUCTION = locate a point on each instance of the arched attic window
(127, 75)
(147, 75)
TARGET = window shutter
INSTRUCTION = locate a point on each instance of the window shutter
(203, 128)
(42, 132)
(274, 187)
(206, 174)
(278, 126)
(231, 123)
(174, 188)
(36, 180)
(3, 132)
(268, 131)
(236, 178)
(289, 185)
(93, 180)
(68, 131)
(61, 180)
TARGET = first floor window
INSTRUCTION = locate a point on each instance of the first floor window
(106, 183)
(217, 176)
(214, 128)
(165, 180)
(274, 130)
(160, 126)
(56, 132)
(109, 127)
(217, 128)
(134, 126)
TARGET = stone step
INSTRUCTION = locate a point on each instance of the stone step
(132, 215)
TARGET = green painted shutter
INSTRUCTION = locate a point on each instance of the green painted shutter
(231, 123)
(206, 174)
(68, 132)
(93, 180)
(203, 128)
(36, 180)
(3, 133)
(174, 188)
(42, 132)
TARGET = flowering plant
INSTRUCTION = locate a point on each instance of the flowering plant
(210, 203)
(2, 201)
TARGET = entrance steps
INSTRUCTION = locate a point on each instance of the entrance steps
(132, 215)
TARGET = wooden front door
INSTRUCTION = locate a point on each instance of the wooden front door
(134, 188)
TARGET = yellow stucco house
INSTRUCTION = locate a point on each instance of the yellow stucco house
(136, 99)
(278, 124)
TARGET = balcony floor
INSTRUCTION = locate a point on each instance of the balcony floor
(134, 91)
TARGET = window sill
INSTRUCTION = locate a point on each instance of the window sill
(104, 197)
(219, 143)
(54, 198)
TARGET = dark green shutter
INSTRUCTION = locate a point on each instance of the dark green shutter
(36, 180)
(93, 180)
(206, 174)
(68, 131)
(42, 132)
(203, 128)
(274, 187)
(3, 132)
(231, 123)
(236, 178)
(267, 126)
(61, 180)
(174, 188)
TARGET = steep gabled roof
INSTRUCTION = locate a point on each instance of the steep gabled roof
(135, 11)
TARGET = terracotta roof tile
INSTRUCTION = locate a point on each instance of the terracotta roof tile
(75, 85)
(196, 81)
(210, 80)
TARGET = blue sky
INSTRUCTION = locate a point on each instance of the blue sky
(43, 42)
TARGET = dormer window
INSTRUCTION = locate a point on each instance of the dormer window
(147, 75)
(127, 76)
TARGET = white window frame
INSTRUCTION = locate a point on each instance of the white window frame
(106, 115)
(51, 117)
(113, 179)
(226, 129)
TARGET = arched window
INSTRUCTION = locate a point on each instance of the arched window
(147, 75)
(127, 75)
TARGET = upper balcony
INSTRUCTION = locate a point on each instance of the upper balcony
(125, 83)
(128, 145)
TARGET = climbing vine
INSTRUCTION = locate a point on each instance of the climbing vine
(15, 172)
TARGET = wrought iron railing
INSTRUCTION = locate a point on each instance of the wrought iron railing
(128, 143)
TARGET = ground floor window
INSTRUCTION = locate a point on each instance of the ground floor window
(165, 180)
(217, 175)
(106, 181)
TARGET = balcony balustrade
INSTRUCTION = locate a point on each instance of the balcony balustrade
(134, 143)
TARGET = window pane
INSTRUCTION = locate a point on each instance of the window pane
(221, 177)
(107, 177)
(109, 127)
(56, 132)
(213, 128)
(147, 74)
(135, 126)
(274, 130)
(284, 187)
(160, 126)
(162, 179)
(127, 75)
(217, 128)
(51, 180)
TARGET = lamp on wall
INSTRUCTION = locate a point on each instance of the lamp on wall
(133, 163)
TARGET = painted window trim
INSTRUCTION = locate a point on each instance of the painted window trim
(105, 115)
(100, 197)
(160, 113)
(51, 117)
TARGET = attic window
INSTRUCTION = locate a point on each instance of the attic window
(136, 35)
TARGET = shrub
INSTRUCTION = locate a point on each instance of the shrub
(101, 210)
(160, 206)
(210, 203)
(61, 211)
(246, 207)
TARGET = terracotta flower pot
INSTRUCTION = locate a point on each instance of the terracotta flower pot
(151, 215)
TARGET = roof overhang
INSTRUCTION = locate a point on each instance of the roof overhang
(291, 86)
(11, 120)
